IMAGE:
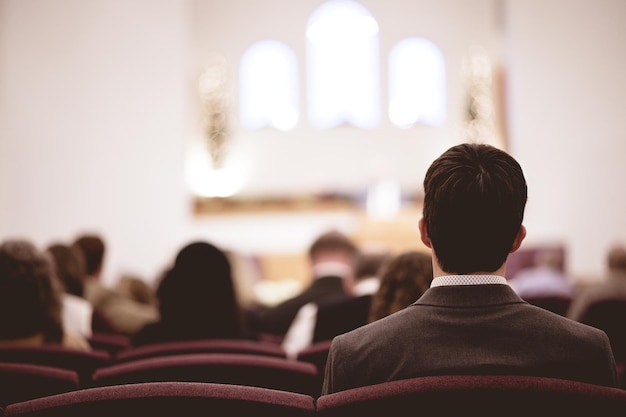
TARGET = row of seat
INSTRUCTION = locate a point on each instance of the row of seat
(483, 395)
(56, 355)
(31, 372)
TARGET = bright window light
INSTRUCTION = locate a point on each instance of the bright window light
(417, 85)
(206, 181)
(269, 86)
(343, 66)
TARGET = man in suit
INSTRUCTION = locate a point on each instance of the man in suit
(324, 319)
(332, 257)
(612, 287)
(470, 321)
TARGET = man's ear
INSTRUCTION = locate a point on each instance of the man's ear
(424, 233)
(519, 238)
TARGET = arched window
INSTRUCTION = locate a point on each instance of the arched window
(268, 86)
(343, 66)
(417, 85)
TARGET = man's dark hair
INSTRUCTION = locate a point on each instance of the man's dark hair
(616, 258)
(69, 266)
(92, 247)
(474, 200)
(332, 241)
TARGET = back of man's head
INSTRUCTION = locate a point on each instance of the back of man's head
(369, 264)
(330, 244)
(474, 200)
(617, 259)
(92, 247)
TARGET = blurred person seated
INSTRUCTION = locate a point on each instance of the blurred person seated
(337, 314)
(197, 299)
(403, 280)
(332, 256)
(470, 321)
(113, 310)
(137, 289)
(69, 267)
(612, 287)
(30, 299)
(544, 279)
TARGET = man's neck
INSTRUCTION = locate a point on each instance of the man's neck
(438, 272)
(331, 268)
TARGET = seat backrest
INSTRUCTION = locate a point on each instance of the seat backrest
(610, 316)
(483, 395)
(228, 368)
(21, 382)
(168, 399)
(526, 257)
(201, 346)
(83, 362)
(555, 304)
(109, 342)
(317, 354)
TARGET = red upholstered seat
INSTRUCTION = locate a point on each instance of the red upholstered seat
(476, 395)
(317, 354)
(526, 256)
(108, 341)
(610, 315)
(21, 382)
(228, 368)
(201, 346)
(169, 399)
(82, 362)
(555, 304)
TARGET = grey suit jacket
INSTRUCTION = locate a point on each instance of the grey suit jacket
(277, 319)
(480, 329)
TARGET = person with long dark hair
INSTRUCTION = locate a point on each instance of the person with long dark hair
(197, 299)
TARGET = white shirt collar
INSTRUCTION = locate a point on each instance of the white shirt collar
(366, 286)
(325, 269)
(468, 280)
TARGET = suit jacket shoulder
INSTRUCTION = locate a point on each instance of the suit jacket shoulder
(484, 329)
(276, 320)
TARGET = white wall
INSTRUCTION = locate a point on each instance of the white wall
(342, 159)
(93, 115)
(567, 61)
(97, 108)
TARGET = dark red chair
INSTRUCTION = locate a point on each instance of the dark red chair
(227, 368)
(167, 399)
(110, 342)
(555, 304)
(526, 257)
(201, 346)
(317, 354)
(21, 382)
(476, 395)
(82, 362)
(609, 315)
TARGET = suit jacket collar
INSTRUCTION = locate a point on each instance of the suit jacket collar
(469, 296)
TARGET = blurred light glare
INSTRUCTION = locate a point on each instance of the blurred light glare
(206, 181)
(401, 113)
(384, 199)
(341, 27)
(285, 119)
(269, 86)
(417, 85)
(342, 63)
